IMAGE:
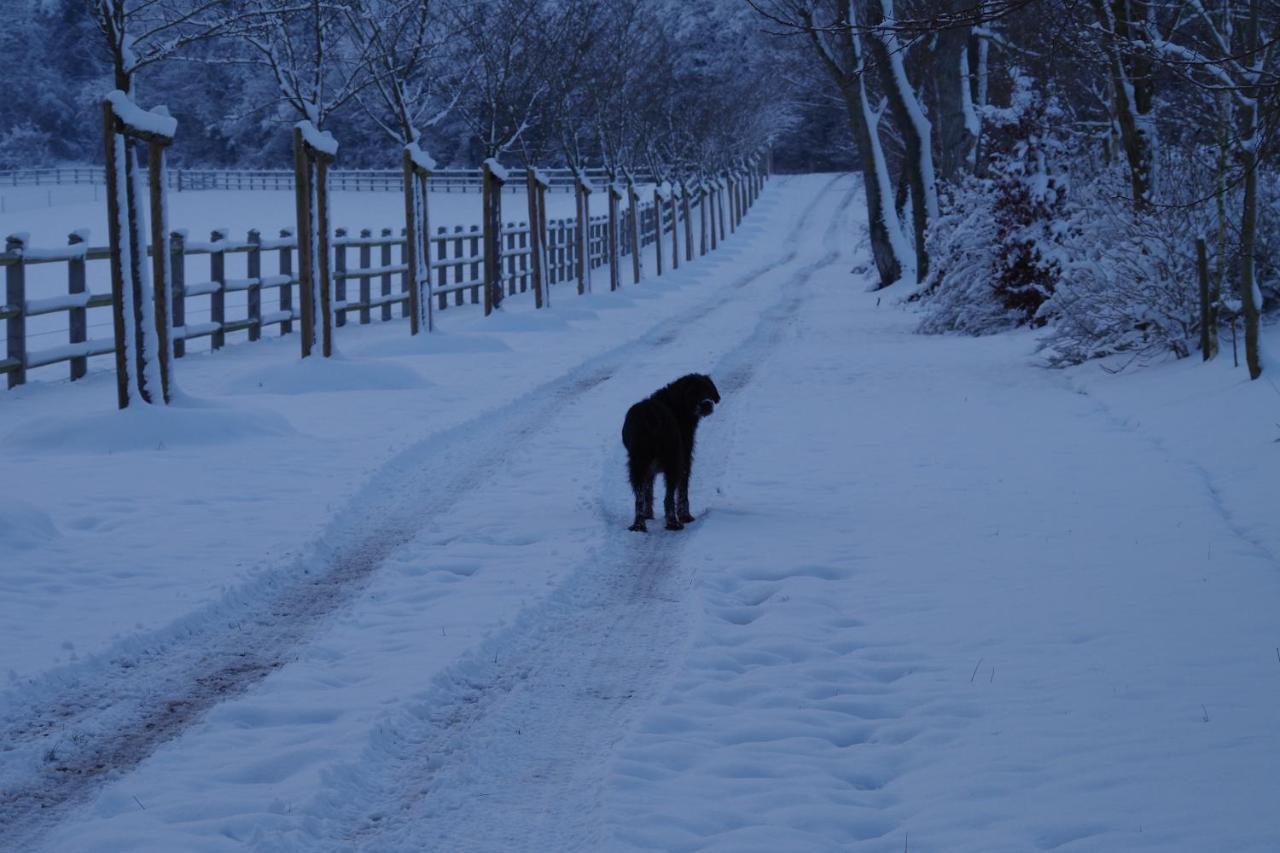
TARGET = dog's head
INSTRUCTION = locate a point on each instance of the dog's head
(701, 393)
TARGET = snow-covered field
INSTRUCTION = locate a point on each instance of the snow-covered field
(937, 598)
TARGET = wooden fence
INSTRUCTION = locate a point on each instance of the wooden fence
(340, 180)
(370, 277)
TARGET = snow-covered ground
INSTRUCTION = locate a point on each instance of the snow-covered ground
(937, 597)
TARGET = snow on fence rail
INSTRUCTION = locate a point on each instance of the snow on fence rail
(342, 180)
(370, 276)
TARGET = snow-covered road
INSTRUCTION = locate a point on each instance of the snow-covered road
(937, 599)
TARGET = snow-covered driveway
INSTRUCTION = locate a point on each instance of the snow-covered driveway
(936, 599)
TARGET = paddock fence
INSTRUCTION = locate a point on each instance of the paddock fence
(224, 288)
(340, 180)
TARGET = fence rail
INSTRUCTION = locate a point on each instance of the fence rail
(342, 180)
(370, 274)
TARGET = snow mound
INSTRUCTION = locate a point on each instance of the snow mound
(433, 344)
(23, 527)
(541, 321)
(311, 375)
(141, 427)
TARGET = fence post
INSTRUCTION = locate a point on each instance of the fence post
(633, 203)
(285, 268)
(688, 221)
(218, 298)
(675, 231)
(77, 323)
(476, 264)
(491, 198)
(15, 296)
(385, 260)
(254, 267)
(178, 290)
(720, 185)
(657, 226)
(614, 230)
(440, 254)
(339, 279)
(366, 261)
(533, 191)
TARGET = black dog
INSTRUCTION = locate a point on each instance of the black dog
(658, 434)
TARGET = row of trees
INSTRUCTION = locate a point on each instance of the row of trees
(1056, 162)
(550, 81)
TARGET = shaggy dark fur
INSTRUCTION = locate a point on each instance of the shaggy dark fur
(659, 434)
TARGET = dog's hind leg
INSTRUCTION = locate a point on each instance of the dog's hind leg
(641, 475)
(669, 502)
(682, 497)
(648, 491)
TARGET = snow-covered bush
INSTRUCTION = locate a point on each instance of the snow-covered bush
(994, 255)
(1128, 281)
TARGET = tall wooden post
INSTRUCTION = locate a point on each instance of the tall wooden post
(494, 176)
(139, 291)
(313, 151)
(417, 237)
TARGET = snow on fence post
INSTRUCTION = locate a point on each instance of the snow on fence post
(417, 166)
(284, 266)
(139, 291)
(494, 176)
(633, 204)
(15, 297)
(178, 290)
(253, 265)
(77, 319)
(314, 150)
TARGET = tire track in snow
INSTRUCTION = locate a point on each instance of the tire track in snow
(68, 733)
(504, 751)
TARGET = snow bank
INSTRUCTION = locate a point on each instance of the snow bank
(142, 427)
(23, 526)
(314, 375)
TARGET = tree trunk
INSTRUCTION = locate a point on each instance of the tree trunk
(1132, 90)
(913, 127)
(956, 119)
